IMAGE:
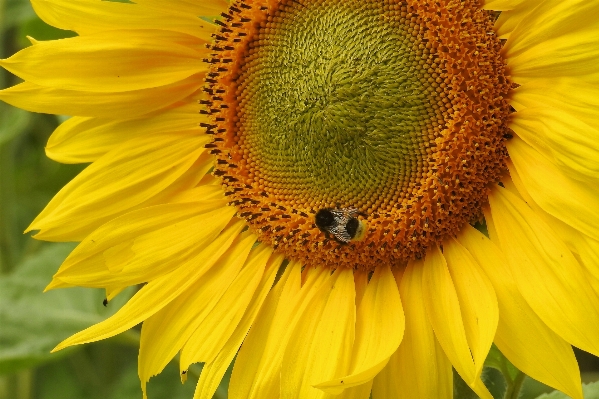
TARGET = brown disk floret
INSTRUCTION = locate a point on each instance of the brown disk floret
(464, 76)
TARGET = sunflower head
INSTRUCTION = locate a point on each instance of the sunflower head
(366, 105)
(343, 148)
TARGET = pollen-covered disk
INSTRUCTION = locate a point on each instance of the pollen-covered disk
(395, 108)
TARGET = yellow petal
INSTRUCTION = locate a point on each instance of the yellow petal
(547, 274)
(213, 372)
(557, 39)
(145, 244)
(217, 326)
(164, 333)
(502, 5)
(121, 105)
(521, 335)
(203, 192)
(212, 7)
(91, 16)
(569, 142)
(512, 16)
(379, 329)
(574, 202)
(361, 282)
(109, 62)
(256, 373)
(552, 19)
(571, 95)
(112, 292)
(157, 293)
(443, 308)
(477, 299)
(322, 341)
(481, 389)
(57, 283)
(419, 368)
(83, 140)
(584, 246)
(194, 181)
(123, 178)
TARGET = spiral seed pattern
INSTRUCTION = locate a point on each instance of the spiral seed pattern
(396, 108)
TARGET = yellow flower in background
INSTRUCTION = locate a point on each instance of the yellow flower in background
(295, 184)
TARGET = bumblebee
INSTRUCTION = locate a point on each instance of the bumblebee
(342, 223)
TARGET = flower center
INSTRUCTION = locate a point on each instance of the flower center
(350, 133)
(328, 119)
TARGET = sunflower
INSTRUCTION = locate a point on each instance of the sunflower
(294, 182)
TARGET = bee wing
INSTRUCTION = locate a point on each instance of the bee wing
(340, 233)
(340, 215)
(351, 212)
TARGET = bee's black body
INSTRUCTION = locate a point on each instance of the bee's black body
(342, 224)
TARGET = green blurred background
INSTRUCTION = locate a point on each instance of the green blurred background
(32, 323)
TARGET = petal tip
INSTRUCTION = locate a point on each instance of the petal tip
(54, 284)
(59, 347)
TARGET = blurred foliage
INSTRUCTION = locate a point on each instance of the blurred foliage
(32, 322)
(590, 391)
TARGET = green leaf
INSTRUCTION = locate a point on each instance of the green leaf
(590, 391)
(496, 360)
(34, 322)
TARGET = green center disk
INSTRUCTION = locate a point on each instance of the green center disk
(333, 103)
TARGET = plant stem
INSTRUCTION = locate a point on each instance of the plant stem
(514, 386)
